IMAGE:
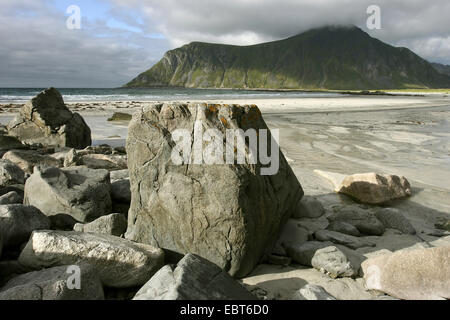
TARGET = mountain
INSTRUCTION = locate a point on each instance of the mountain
(442, 68)
(324, 58)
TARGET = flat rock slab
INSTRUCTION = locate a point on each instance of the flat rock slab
(344, 239)
(55, 284)
(194, 278)
(28, 159)
(18, 221)
(421, 274)
(120, 263)
(230, 214)
(81, 192)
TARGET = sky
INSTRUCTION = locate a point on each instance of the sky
(118, 39)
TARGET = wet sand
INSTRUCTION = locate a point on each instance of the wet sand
(407, 136)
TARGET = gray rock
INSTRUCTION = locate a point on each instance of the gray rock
(120, 190)
(344, 227)
(333, 262)
(104, 161)
(72, 159)
(363, 220)
(17, 222)
(373, 188)
(312, 292)
(114, 224)
(394, 219)
(62, 221)
(420, 274)
(303, 253)
(278, 260)
(10, 269)
(120, 263)
(10, 173)
(309, 207)
(46, 120)
(194, 278)
(1, 244)
(229, 214)
(11, 198)
(28, 159)
(54, 284)
(9, 143)
(292, 233)
(119, 175)
(344, 239)
(81, 192)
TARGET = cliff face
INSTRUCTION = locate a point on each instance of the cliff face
(328, 58)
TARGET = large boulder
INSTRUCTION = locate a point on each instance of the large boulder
(120, 263)
(55, 284)
(28, 159)
(10, 173)
(17, 222)
(81, 192)
(230, 214)
(194, 278)
(46, 120)
(421, 274)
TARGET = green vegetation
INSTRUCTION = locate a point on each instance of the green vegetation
(333, 58)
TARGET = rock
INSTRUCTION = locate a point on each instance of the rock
(81, 192)
(343, 227)
(11, 198)
(194, 278)
(278, 260)
(303, 253)
(17, 222)
(1, 244)
(120, 263)
(312, 292)
(229, 214)
(120, 190)
(443, 225)
(292, 233)
(104, 161)
(421, 274)
(394, 219)
(28, 159)
(62, 221)
(308, 207)
(120, 116)
(114, 224)
(363, 220)
(53, 284)
(344, 239)
(370, 188)
(333, 262)
(72, 159)
(46, 120)
(9, 143)
(119, 175)
(10, 269)
(10, 173)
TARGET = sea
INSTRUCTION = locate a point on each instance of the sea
(21, 95)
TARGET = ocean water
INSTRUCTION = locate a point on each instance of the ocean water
(20, 95)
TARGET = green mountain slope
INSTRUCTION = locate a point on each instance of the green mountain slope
(442, 68)
(325, 58)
